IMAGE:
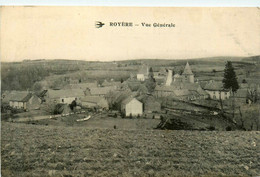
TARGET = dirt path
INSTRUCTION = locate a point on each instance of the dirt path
(36, 150)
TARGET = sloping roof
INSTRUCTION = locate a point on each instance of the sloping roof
(81, 85)
(112, 83)
(187, 70)
(127, 100)
(22, 96)
(65, 93)
(201, 91)
(92, 99)
(214, 86)
(143, 70)
(101, 90)
(42, 93)
(142, 89)
(241, 93)
(164, 88)
(183, 92)
(147, 98)
(185, 85)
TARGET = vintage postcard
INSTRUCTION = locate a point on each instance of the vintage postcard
(130, 91)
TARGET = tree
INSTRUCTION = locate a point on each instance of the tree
(37, 86)
(150, 82)
(214, 72)
(150, 72)
(230, 81)
(230, 78)
(73, 105)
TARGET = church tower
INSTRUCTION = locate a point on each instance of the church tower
(187, 74)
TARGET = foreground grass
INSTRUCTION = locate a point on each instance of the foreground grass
(37, 150)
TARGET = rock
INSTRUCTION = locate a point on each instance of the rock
(253, 143)
(13, 153)
(246, 167)
(115, 155)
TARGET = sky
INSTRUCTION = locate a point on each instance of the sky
(38, 32)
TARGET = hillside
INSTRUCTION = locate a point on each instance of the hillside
(80, 151)
(35, 74)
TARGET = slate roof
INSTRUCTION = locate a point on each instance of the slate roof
(127, 100)
(185, 85)
(214, 86)
(101, 90)
(92, 99)
(113, 83)
(65, 93)
(164, 88)
(81, 85)
(182, 92)
(21, 96)
(241, 93)
(143, 70)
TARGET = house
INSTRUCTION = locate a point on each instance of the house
(150, 104)
(142, 73)
(82, 86)
(94, 102)
(116, 97)
(34, 102)
(62, 109)
(216, 90)
(183, 94)
(99, 91)
(164, 91)
(21, 100)
(64, 96)
(243, 96)
(112, 83)
(131, 107)
(181, 91)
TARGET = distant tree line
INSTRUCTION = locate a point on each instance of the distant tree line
(21, 77)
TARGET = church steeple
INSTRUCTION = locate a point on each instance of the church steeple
(187, 70)
(187, 73)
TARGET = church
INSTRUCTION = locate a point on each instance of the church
(181, 86)
(186, 77)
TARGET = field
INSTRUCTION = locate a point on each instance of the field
(40, 150)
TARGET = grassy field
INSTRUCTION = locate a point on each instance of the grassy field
(40, 150)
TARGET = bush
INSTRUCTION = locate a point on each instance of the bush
(212, 128)
(228, 128)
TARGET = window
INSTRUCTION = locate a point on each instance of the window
(62, 100)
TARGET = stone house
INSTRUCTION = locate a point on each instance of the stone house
(142, 73)
(21, 100)
(131, 107)
(65, 96)
(216, 90)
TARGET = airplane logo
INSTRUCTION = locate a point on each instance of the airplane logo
(99, 24)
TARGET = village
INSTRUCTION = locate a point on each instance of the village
(178, 100)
